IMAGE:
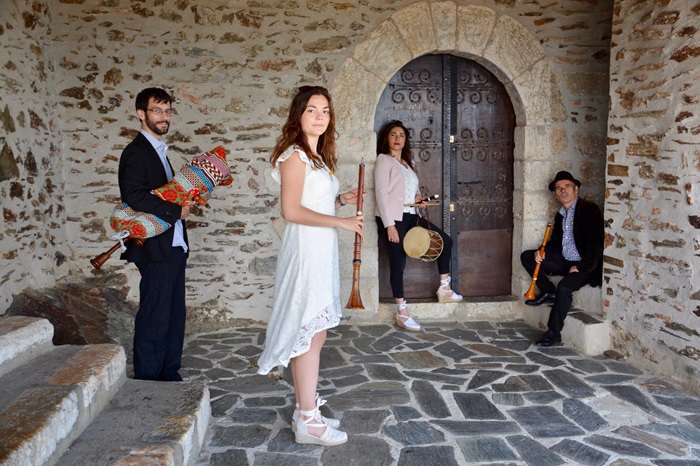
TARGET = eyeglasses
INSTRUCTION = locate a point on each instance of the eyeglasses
(160, 111)
(564, 187)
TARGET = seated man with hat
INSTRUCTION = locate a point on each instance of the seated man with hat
(575, 250)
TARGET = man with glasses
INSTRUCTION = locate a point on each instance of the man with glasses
(160, 322)
(575, 250)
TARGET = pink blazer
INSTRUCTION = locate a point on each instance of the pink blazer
(389, 187)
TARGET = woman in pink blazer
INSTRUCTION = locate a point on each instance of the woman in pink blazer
(396, 184)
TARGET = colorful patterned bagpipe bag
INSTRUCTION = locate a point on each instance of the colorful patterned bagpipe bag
(194, 182)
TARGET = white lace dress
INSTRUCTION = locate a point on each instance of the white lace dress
(307, 283)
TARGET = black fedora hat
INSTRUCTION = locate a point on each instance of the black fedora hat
(562, 175)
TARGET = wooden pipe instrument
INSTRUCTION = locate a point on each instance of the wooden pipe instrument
(98, 261)
(530, 294)
(427, 202)
(355, 300)
(421, 204)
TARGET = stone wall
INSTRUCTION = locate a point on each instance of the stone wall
(652, 291)
(233, 66)
(33, 249)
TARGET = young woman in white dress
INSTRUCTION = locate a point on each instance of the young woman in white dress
(307, 282)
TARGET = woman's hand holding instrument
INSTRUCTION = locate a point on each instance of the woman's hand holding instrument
(425, 202)
(421, 204)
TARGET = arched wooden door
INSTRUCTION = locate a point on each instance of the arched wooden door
(461, 122)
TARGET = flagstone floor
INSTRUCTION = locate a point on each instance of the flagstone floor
(453, 394)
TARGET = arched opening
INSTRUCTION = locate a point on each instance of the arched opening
(487, 37)
(461, 124)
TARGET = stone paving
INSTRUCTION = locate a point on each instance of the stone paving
(453, 394)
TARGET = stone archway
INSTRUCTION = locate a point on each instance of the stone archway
(496, 41)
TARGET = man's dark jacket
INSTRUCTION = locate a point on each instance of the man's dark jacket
(140, 171)
(589, 236)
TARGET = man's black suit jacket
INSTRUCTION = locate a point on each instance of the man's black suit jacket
(589, 235)
(140, 171)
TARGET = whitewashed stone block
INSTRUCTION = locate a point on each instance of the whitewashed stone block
(513, 48)
(383, 53)
(474, 29)
(539, 90)
(356, 110)
(415, 25)
(444, 16)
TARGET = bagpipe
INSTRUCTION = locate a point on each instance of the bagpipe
(194, 182)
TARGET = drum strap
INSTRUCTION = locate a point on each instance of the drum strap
(427, 218)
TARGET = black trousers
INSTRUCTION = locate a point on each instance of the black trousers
(397, 256)
(555, 264)
(160, 321)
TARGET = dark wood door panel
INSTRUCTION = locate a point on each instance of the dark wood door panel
(482, 274)
(484, 195)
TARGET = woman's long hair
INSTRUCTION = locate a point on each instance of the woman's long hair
(383, 141)
(292, 135)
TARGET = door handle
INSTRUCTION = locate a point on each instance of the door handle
(470, 182)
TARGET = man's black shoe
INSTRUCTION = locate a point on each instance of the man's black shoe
(541, 299)
(550, 338)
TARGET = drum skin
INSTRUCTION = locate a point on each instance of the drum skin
(421, 243)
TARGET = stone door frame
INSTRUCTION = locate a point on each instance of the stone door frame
(498, 42)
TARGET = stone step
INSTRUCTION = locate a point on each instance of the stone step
(467, 310)
(162, 423)
(590, 299)
(586, 332)
(585, 329)
(46, 403)
(21, 340)
(73, 405)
